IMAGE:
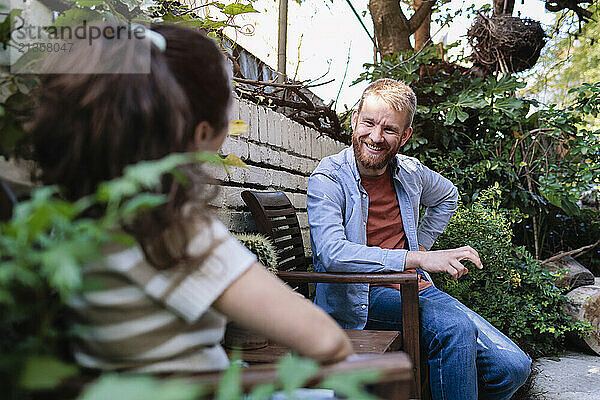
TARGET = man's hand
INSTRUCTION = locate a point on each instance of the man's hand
(443, 260)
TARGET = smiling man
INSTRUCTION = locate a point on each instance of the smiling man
(363, 211)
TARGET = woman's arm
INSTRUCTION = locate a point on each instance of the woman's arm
(262, 303)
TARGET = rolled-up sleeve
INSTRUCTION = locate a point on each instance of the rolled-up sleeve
(326, 204)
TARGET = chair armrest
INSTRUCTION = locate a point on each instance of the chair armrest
(395, 373)
(338, 277)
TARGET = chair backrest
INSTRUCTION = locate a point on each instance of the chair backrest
(8, 200)
(276, 218)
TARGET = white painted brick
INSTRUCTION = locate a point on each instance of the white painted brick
(253, 121)
(288, 181)
(318, 147)
(284, 132)
(315, 146)
(224, 215)
(265, 155)
(259, 176)
(262, 124)
(231, 196)
(275, 156)
(273, 128)
(296, 163)
(236, 174)
(293, 138)
(254, 151)
(299, 200)
(286, 160)
(309, 142)
(302, 183)
(234, 111)
(306, 239)
(242, 149)
(215, 171)
(279, 130)
(242, 113)
(305, 145)
(302, 219)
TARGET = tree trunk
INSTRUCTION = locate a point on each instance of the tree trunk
(575, 274)
(391, 27)
(502, 7)
(584, 305)
(423, 33)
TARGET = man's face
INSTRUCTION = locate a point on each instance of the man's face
(378, 133)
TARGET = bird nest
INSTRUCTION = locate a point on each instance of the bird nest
(505, 43)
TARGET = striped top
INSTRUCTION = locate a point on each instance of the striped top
(132, 316)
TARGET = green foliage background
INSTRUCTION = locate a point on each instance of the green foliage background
(514, 292)
(477, 132)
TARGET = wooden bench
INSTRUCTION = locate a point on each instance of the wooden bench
(276, 218)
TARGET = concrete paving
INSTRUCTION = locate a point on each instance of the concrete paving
(572, 376)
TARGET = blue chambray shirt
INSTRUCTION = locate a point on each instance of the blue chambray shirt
(337, 216)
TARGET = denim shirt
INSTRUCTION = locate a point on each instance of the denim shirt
(337, 216)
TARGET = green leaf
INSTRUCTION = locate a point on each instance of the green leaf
(90, 3)
(237, 8)
(142, 201)
(140, 387)
(45, 373)
(262, 392)
(230, 385)
(351, 384)
(148, 173)
(295, 371)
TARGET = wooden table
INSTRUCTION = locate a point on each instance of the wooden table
(363, 342)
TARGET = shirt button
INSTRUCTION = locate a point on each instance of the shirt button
(364, 307)
(364, 196)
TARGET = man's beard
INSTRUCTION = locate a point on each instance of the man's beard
(372, 161)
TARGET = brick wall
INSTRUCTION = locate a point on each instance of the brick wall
(280, 155)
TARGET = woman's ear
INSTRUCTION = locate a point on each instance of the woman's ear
(203, 135)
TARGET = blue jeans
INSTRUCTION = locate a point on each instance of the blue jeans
(468, 358)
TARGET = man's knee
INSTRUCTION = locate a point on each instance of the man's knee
(521, 368)
(458, 330)
(512, 372)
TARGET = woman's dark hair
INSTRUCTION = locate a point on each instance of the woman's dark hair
(89, 126)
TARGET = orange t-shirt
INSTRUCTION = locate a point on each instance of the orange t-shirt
(384, 224)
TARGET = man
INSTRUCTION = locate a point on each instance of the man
(363, 209)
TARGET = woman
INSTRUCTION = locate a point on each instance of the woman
(161, 305)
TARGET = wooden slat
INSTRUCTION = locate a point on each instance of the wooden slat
(286, 232)
(291, 252)
(285, 212)
(293, 241)
(288, 221)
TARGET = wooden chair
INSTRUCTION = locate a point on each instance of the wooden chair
(276, 218)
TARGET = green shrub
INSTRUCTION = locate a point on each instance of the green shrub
(261, 247)
(514, 292)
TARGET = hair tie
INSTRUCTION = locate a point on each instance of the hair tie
(156, 38)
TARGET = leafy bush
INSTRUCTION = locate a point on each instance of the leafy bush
(514, 292)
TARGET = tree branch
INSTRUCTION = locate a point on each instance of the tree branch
(419, 16)
(570, 253)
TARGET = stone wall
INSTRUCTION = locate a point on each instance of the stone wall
(280, 154)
